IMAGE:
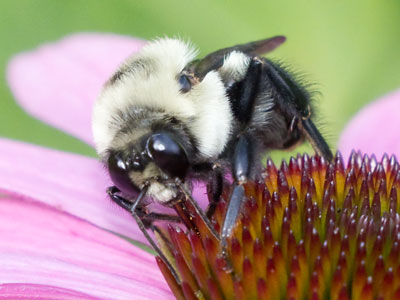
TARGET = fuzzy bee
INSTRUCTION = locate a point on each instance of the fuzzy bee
(165, 118)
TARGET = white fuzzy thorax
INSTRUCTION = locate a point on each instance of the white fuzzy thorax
(156, 86)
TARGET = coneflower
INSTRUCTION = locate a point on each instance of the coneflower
(308, 230)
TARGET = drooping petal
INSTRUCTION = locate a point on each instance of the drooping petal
(41, 245)
(375, 129)
(69, 182)
(65, 78)
(23, 291)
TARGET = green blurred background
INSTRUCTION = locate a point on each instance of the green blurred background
(349, 48)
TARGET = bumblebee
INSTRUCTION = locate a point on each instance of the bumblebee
(165, 118)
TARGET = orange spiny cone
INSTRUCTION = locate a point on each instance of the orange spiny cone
(308, 230)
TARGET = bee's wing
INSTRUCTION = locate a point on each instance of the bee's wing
(259, 47)
(215, 59)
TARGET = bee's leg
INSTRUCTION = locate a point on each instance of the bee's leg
(242, 159)
(214, 190)
(197, 208)
(151, 217)
(112, 192)
(242, 162)
(316, 140)
(147, 218)
(243, 108)
(133, 207)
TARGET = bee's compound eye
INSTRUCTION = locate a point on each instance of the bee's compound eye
(168, 155)
(184, 83)
(118, 169)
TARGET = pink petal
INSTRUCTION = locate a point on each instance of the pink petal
(65, 78)
(43, 246)
(12, 291)
(375, 129)
(69, 182)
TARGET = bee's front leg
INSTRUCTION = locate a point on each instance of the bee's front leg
(140, 217)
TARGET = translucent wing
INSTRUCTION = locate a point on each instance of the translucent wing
(215, 59)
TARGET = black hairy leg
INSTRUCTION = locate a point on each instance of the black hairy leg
(244, 102)
(134, 208)
(145, 220)
(242, 163)
(147, 217)
(242, 157)
(214, 189)
(316, 139)
(295, 95)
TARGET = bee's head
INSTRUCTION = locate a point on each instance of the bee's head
(154, 114)
(155, 88)
(155, 160)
